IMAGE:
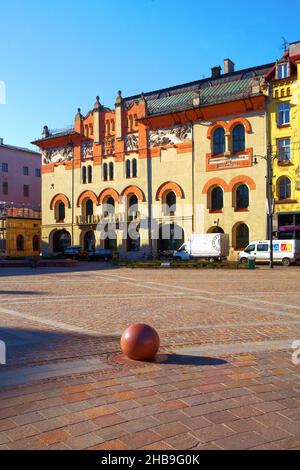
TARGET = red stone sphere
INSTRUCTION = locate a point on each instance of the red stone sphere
(140, 342)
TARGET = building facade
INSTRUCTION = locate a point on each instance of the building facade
(20, 175)
(164, 164)
(284, 134)
(20, 231)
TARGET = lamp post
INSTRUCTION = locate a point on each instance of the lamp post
(270, 197)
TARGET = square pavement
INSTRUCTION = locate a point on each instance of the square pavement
(224, 377)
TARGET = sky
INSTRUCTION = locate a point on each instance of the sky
(56, 56)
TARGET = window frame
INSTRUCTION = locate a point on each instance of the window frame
(284, 115)
(221, 144)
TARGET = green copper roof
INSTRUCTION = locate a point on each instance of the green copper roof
(213, 92)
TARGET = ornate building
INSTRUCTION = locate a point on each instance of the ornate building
(167, 163)
(284, 140)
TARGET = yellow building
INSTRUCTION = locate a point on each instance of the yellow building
(20, 232)
(284, 136)
(169, 163)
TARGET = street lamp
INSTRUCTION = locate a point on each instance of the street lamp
(270, 197)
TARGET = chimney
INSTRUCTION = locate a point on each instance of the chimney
(228, 66)
(294, 48)
(216, 71)
(1, 141)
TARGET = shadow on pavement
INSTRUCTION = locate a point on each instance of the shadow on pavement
(187, 359)
(81, 267)
(21, 292)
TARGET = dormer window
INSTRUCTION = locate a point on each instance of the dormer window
(283, 70)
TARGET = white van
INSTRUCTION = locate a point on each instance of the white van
(210, 246)
(284, 251)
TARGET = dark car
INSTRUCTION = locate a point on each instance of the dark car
(74, 252)
(100, 254)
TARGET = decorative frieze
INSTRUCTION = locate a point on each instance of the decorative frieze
(132, 142)
(57, 154)
(86, 150)
(170, 136)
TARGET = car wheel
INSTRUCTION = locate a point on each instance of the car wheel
(243, 260)
(211, 260)
(286, 261)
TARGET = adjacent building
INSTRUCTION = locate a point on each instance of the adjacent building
(20, 201)
(284, 141)
(164, 164)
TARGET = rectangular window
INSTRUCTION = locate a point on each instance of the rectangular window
(25, 170)
(262, 247)
(26, 190)
(283, 114)
(282, 71)
(284, 149)
(37, 172)
(4, 167)
(5, 187)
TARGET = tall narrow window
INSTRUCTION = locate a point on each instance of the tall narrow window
(242, 196)
(283, 114)
(238, 138)
(61, 212)
(35, 243)
(4, 167)
(84, 174)
(171, 202)
(111, 171)
(284, 188)
(282, 71)
(25, 170)
(20, 243)
(134, 168)
(90, 173)
(242, 236)
(284, 149)
(127, 168)
(219, 141)
(26, 190)
(5, 187)
(89, 208)
(105, 172)
(217, 199)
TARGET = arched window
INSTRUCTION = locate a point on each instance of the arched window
(105, 172)
(242, 197)
(241, 236)
(111, 171)
(134, 168)
(35, 243)
(238, 138)
(171, 202)
(89, 208)
(127, 169)
(132, 205)
(90, 173)
(61, 212)
(20, 243)
(217, 199)
(284, 188)
(219, 141)
(84, 174)
(109, 206)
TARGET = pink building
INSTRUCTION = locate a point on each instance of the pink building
(20, 175)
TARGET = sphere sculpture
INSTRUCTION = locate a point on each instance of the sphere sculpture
(140, 342)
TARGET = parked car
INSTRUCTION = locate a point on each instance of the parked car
(74, 252)
(165, 254)
(99, 255)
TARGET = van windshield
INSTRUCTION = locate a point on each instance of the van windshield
(182, 248)
(249, 248)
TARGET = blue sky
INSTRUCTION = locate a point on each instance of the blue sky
(56, 56)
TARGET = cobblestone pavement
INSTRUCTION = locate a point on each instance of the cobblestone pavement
(224, 378)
